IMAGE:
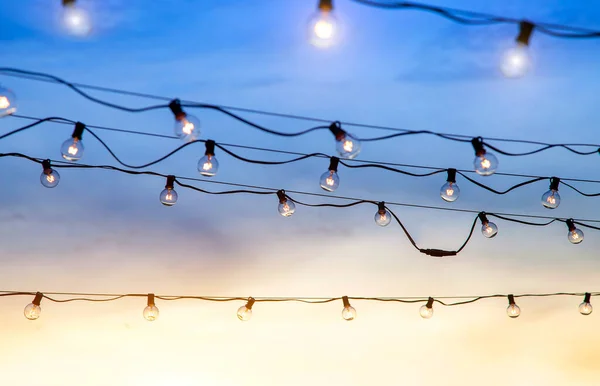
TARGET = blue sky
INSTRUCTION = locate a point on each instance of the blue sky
(102, 231)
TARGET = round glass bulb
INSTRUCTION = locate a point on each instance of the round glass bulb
(329, 181)
(151, 313)
(489, 230)
(585, 308)
(50, 178)
(8, 102)
(72, 149)
(450, 192)
(348, 146)
(187, 128)
(322, 29)
(516, 61)
(575, 236)
(244, 313)
(287, 208)
(349, 313)
(76, 21)
(513, 311)
(551, 199)
(383, 218)
(168, 197)
(486, 164)
(426, 312)
(208, 165)
(32, 311)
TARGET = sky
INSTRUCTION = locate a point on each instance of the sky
(102, 231)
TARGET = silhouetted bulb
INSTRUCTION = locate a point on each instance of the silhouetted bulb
(516, 61)
(8, 102)
(323, 29)
(426, 312)
(72, 149)
(585, 308)
(330, 181)
(349, 313)
(551, 199)
(513, 311)
(76, 20)
(168, 197)
(489, 229)
(485, 164)
(208, 165)
(287, 208)
(151, 313)
(50, 178)
(244, 313)
(32, 311)
(450, 191)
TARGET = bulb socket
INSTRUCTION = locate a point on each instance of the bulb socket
(151, 300)
(525, 31)
(511, 300)
(333, 164)
(451, 176)
(337, 131)
(282, 197)
(175, 106)
(554, 182)
(46, 166)
(571, 224)
(68, 3)
(381, 207)
(429, 303)
(170, 182)
(210, 147)
(587, 297)
(37, 300)
(346, 301)
(78, 131)
(250, 303)
(478, 146)
(325, 5)
(483, 217)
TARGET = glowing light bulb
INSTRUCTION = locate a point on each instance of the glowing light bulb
(168, 196)
(208, 165)
(450, 190)
(346, 145)
(551, 199)
(426, 310)
(330, 180)
(586, 308)
(323, 26)
(513, 311)
(244, 313)
(382, 216)
(33, 310)
(187, 127)
(49, 177)
(348, 313)
(72, 148)
(8, 102)
(485, 164)
(516, 62)
(286, 206)
(151, 311)
(76, 20)
(575, 235)
(488, 229)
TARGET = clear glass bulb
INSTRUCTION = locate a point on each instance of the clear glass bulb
(323, 29)
(168, 197)
(208, 165)
(450, 191)
(244, 313)
(348, 146)
(516, 61)
(329, 181)
(72, 149)
(551, 199)
(585, 308)
(32, 311)
(349, 313)
(76, 20)
(383, 218)
(513, 311)
(8, 102)
(486, 164)
(287, 208)
(151, 313)
(489, 230)
(426, 312)
(187, 127)
(50, 178)
(575, 236)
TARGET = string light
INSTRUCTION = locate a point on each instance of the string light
(488, 229)
(151, 311)
(383, 217)
(208, 165)
(72, 148)
(348, 313)
(286, 207)
(244, 313)
(426, 311)
(168, 196)
(450, 190)
(575, 235)
(517, 61)
(513, 310)
(551, 199)
(323, 25)
(8, 102)
(49, 177)
(330, 180)
(76, 20)
(33, 309)
(485, 163)
(347, 145)
(187, 126)
(585, 308)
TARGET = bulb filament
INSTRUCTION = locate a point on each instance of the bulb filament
(169, 196)
(188, 127)
(485, 163)
(551, 199)
(73, 149)
(329, 180)
(348, 145)
(4, 102)
(207, 166)
(324, 29)
(574, 235)
(50, 178)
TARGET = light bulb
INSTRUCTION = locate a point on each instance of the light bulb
(585, 308)
(348, 146)
(76, 20)
(286, 207)
(516, 61)
(72, 149)
(426, 310)
(348, 313)
(151, 313)
(450, 192)
(513, 310)
(208, 165)
(323, 29)
(382, 216)
(187, 127)
(49, 177)
(244, 313)
(33, 309)
(168, 196)
(8, 102)
(488, 229)
(551, 199)
(330, 181)
(485, 164)
(575, 235)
